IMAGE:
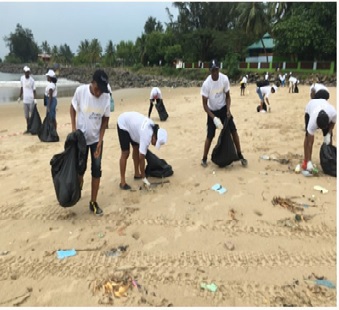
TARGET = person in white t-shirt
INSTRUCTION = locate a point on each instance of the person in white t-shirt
(319, 91)
(243, 84)
(216, 101)
(90, 112)
(319, 113)
(282, 78)
(266, 76)
(155, 96)
(50, 98)
(28, 94)
(139, 131)
(263, 93)
(292, 81)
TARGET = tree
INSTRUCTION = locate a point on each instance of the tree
(21, 45)
(254, 20)
(110, 53)
(65, 54)
(45, 48)
(95, 51)
(126, 53)
(152, 25)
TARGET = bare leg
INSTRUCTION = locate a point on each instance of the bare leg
(207, 146)
(123, 164)
(95, 189)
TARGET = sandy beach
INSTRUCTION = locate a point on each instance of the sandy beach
(183, 243)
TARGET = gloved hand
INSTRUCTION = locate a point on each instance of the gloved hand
(146, 182)
(19, 99)
(35, 101)
(310, 166)
(327, 139)
(217, 122)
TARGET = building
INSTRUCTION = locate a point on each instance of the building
(256, 51)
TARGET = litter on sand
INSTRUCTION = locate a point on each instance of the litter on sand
(320, 189)
(219, 188)
(66, 253)
(210, 287)
(326, 283)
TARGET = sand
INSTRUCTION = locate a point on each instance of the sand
(182, 235)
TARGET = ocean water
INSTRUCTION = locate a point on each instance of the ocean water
(10, 87)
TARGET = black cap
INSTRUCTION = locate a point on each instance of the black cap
(214, 64)
(101, 78)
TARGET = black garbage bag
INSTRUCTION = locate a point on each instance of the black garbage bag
(328, 159)
(160, 106)
(35, 121)
(157, 167)
(66, 168)
(47, 132)
(225, 152)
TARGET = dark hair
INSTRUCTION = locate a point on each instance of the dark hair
(54, 79)
(322, 94)
(322, 120)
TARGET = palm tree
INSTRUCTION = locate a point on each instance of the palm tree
(254, 20)
(109, 52)
(95, 50)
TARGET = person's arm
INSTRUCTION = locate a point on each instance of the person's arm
(266, 99)
(142, 165)
(72, 113)
(206, 109)
(50, 98)
(20, 95)
(228, 104)
(103, 127)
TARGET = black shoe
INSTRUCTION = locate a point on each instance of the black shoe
(95, 209)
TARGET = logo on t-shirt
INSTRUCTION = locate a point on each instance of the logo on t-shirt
(94, 116)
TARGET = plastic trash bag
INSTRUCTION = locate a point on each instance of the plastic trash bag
(328, 159)
(47, 132)
(35, 121)
(66, 168)
(224, 153)
(157, 167)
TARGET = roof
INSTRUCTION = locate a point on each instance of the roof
(268, 41)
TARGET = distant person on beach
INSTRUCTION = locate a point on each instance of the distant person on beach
(292, 81)
(266, 76)
(282, 79)
(319, 114)
(90, 112)
(216, 101)
(263, 93)
(319, 91)
(243, 84)
(155, 96)
(50, 98)
(139, 131)
(28, 94)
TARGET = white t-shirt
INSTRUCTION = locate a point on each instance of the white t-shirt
(155, 93)
(266, 91)
(292, 79)
(316, 87)
(139, 128)
(215, 91)
(313, 108)
(52, 86)
(244, 80)
(90, 111)
(28, 88)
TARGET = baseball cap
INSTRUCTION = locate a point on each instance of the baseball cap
(50, 73)
(161, 138)
(101, 78)
(214, 64)
(26, 69)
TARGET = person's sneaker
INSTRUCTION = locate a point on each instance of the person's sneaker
(204, 163)
(242, 160)
(95, 209)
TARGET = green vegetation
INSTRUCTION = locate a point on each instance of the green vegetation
(202, 31)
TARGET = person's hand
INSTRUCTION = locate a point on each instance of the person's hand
(19, 99)
(146, 182)
(327, 139)
(228, 114)
(35, 101)
(217, 122)
(310, 166)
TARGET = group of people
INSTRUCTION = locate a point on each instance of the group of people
(90, 112)
(28, 95)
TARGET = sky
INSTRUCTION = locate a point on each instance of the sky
(62, 22)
